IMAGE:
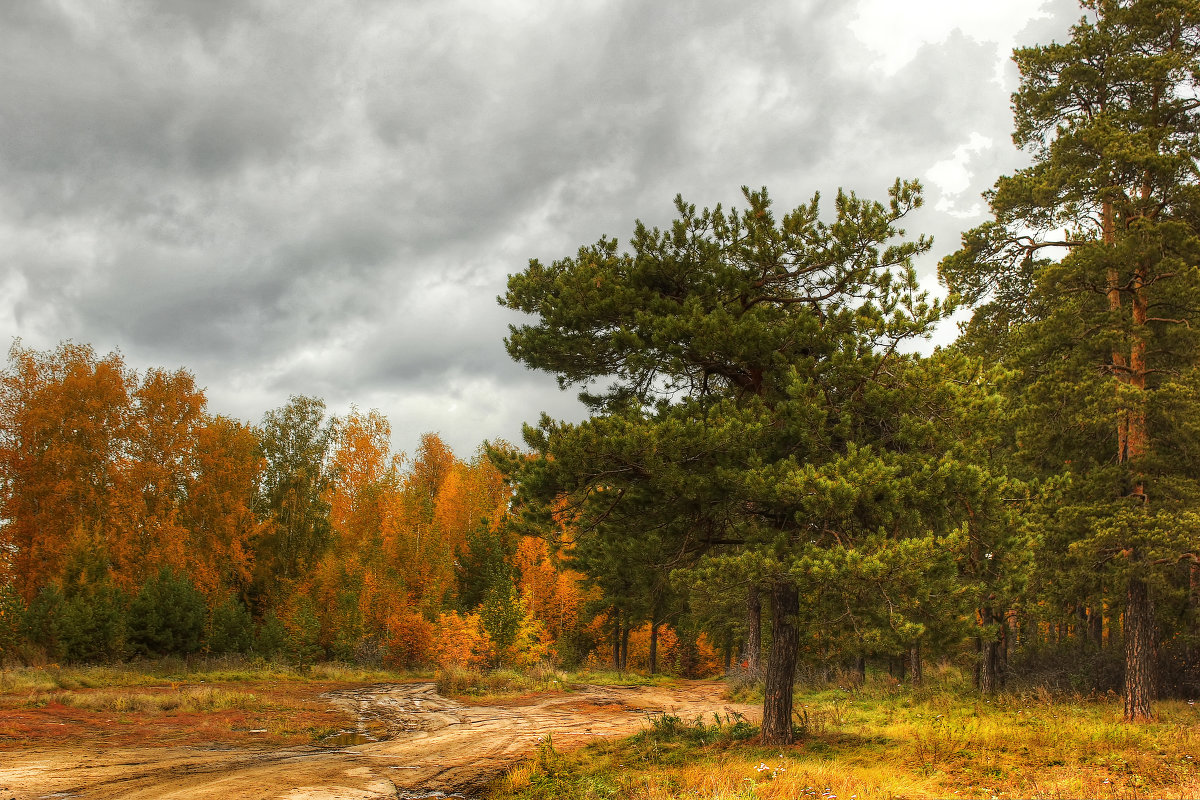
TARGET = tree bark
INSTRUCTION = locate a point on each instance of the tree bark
(753, 633)
(654, 648)
(616, 640)
(1006, 637)
(989, 656)
(914, 662)
(1140, 658)
(781, 664)
(625, 644)
(979, 663)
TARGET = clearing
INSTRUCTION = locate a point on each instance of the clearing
(398, 740)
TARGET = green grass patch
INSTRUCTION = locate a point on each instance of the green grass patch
(614, 678)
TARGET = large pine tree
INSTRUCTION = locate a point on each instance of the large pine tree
(1106, 335)
(748, 395)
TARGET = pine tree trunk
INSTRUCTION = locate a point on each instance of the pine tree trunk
(914, 662)
(1096, 626)
(1029, 635)
(781, 664)
(860, 669)
(1119, 362)
(1139, 652)
(653, 648)
(978, 663)
(989, 656)
(753, 633)
(625, 645)
(1006, 638)
(616, 640)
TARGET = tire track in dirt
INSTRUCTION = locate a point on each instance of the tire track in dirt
(408, 742)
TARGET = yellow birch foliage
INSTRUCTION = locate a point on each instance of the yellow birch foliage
(461, 641)
(555, 597)
(222, 528)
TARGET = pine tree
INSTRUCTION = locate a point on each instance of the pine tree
(1105, 338)
(167, 616)
(747, 390)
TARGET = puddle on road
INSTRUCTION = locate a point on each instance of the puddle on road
(348, 739)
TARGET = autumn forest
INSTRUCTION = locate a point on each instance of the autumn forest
(772, 483)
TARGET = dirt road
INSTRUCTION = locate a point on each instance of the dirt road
(409, 743)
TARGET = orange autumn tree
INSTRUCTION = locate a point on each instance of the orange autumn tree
(360, 591)
(217, 512)
(63, 415)
(166, 413)
(111, 477)
(419, 543)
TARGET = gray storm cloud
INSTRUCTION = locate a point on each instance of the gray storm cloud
(325, 198)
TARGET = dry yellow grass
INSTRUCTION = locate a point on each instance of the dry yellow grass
(888, 743)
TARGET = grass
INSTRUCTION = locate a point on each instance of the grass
(884, 741)
(189, 699)
(614, 678)
(478, 686)
(233, 701)
(166, 671)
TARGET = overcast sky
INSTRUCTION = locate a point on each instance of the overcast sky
(325, 197)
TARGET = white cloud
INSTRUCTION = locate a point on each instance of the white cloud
(895, 31)
(952, 176)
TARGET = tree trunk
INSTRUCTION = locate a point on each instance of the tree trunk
(914, 663)
(728, 649)
(860, 669)
(989, 656)
(616, 640)
(653, 647)
(781, 664)
(1119, 362)
(625, 644)
(753, 633)
(1096, 626)
(979, 663)
(1139, 652)
(1006, 638)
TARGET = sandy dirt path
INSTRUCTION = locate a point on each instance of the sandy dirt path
(409, 743)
